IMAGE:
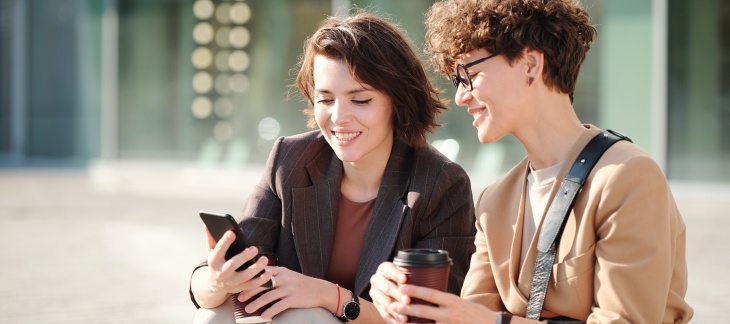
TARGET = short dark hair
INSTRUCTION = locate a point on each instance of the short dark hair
(561, 29)
(378, 54)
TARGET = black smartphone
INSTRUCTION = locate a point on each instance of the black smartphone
(218, 224)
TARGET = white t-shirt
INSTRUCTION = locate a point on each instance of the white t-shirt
(539, 183)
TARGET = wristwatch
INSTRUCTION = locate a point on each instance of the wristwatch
(351, 309)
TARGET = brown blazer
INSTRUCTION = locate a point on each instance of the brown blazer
(621, 258)
(424, 200)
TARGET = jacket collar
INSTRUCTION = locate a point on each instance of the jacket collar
(513, 278)
(388, 213)
(314, 213)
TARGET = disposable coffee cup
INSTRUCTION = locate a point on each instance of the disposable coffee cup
(426, 268)
(239, 308)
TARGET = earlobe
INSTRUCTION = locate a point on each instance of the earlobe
(533, 61)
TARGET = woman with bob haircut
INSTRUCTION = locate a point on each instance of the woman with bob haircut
(336, 202)
(621, 256)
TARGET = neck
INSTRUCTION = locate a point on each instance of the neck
(550, 131)
(361, 180)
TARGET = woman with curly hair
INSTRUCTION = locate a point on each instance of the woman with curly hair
(621, 255)
(335, 202)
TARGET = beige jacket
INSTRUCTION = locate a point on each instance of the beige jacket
(621, 258)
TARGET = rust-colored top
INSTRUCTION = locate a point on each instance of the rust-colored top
(352, 223)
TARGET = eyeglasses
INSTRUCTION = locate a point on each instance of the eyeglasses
(462, 74)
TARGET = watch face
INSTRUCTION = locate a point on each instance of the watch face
(352, 310)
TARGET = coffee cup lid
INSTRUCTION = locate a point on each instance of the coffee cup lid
(422, 258)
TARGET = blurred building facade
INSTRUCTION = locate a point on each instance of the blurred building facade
(207, 81)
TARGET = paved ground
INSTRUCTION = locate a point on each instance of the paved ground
(114, 244)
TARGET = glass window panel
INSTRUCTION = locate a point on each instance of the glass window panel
(199, 79)
(698, 91)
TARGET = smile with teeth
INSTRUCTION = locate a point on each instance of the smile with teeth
(345, 137)
(475, 111)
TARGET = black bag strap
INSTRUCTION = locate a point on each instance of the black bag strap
(557, 214)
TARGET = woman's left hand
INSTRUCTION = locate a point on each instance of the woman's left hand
(294, 290)
(451, 308)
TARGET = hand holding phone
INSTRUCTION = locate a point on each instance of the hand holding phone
(218, 224)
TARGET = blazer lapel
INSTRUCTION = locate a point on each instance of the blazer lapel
(388, 213)
(527, 269)
(508, 228)
(314, 211)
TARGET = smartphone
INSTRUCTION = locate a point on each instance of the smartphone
(218, 224)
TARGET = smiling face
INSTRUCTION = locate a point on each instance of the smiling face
(355, 119)
(498, 97)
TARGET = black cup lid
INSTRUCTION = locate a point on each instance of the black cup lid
(422, 258)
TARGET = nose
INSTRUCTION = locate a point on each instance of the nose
(339, 113)
(462, 96)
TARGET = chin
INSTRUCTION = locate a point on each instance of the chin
(345, 157)
(486, 138)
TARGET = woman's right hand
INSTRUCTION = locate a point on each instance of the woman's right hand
(223, 276)
(384, 290)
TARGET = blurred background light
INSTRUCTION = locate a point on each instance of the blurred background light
(223, 13)
(269, 128)
(203, 9)
(240, 13)
(222, 84)
(223, 131)
(448, 147)
(222, 37)
(203, 33)
(202, 82)
(221, 60)
(238, 61)
(202, 58)
(223, 107)
(239, 37)
(239, 82)
(201, 107)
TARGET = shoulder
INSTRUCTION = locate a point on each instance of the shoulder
(625, 158)
(505, 185)
(428, 160)
(294, 152)
(309, 138)
(429, 155)
(309, 143)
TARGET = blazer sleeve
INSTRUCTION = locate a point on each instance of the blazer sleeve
(261, 216)
(639, 248)
(479, 284)
(261, 213)
(448, 223)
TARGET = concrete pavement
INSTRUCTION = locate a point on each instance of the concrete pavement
(115, 243)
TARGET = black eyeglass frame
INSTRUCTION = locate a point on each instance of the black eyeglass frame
(456, 79)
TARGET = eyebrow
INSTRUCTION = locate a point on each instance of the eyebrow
(354, 91)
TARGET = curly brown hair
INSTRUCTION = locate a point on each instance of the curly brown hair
(560, 29)
(377, 53)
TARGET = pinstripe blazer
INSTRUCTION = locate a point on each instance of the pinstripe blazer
(424, 200)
